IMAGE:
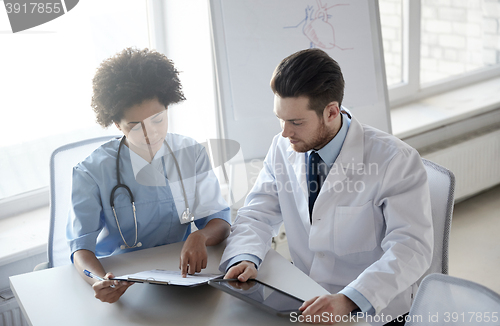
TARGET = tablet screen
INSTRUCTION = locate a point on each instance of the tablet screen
(261, 294)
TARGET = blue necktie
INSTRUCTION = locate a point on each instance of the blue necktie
(313, 183)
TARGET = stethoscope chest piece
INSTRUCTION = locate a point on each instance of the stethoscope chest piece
(137, 245)
(187, 217)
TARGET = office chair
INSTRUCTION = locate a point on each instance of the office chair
(442, 188)
(62, 161)
(447, 300)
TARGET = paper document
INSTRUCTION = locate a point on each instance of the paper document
(159, 276)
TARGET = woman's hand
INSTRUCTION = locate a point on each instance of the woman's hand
(86, 260)
(193, 254)
(106, 293)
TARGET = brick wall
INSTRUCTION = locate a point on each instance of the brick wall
(456, 36)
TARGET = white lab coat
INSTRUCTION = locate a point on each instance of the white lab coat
(371, 229)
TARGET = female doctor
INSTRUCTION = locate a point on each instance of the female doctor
(144, 189)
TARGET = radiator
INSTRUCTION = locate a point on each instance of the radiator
(10, 313)
(474, 159)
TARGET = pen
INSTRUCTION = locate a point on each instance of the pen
(92, 275)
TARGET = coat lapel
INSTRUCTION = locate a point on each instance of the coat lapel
(350, 157)
(298, 162)
(300, 193)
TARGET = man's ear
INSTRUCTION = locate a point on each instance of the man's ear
(331, 111)
(117, 125)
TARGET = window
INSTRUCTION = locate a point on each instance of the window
(458, 37)
(47, 84)
(433, 46)
(392, 32)
(48, 75)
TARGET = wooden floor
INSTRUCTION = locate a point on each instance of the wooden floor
(474, 252)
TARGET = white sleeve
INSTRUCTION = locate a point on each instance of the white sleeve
(259, 219)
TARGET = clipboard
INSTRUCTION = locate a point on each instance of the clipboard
(167, 277)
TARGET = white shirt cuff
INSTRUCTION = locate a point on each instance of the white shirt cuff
(236, 259)
(363, 304)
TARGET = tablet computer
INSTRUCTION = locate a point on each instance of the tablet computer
(261, 295)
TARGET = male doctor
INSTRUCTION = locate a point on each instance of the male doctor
(354, 200)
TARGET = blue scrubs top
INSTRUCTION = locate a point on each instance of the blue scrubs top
(157, 192)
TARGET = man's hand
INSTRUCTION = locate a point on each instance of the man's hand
(243, 271)
(106, 293)
(333, 304)
(193, 254)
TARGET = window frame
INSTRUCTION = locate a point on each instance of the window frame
(24, 202)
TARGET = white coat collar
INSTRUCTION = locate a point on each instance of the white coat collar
(350, 156)
(352, 152)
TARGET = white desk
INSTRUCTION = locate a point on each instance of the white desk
(59, 296)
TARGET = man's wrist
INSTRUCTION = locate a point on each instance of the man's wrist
(350, 304)
(199, 236)
(241, 257)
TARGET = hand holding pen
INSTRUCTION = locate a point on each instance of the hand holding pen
(108, 290)
(96, 277)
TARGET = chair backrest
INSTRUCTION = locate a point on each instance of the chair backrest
(62, 161)
(447, 300)
(442, 187)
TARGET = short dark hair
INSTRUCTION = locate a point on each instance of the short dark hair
(129, 78)
(311, 73)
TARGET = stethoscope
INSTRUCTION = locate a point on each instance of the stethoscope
(186, 215)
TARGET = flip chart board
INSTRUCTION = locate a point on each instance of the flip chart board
(250, 38)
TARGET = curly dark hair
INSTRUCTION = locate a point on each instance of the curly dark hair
(131, 77)
(311, 73)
